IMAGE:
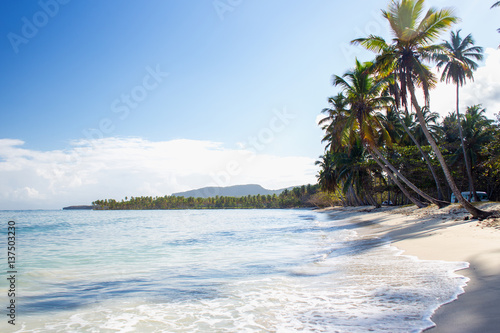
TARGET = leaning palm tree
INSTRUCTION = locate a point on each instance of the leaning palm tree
(393, 89)
(416, 134)
(364, 94)
(414, 31)
(458, 62)
(400, 128)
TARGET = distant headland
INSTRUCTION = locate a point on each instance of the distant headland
(83, 207)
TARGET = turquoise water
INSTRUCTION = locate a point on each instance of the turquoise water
(214, 271)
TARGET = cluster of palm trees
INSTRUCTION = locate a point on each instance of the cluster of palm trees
(355, 126)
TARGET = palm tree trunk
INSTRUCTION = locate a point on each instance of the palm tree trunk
(389, 194)
(396, 181)
(476, 213)
(426, 157)
(354, 198)
(472, 190)
(439, 203)
(371, 200)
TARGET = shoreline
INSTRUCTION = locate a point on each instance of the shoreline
(447, 234)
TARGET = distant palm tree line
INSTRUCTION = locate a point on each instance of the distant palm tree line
(297, 197)
(380, 141)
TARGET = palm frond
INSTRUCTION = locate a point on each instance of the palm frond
(373, 43)
(434, 23)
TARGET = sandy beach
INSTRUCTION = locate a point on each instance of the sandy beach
(445, 234)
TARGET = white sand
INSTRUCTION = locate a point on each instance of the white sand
(443, 234)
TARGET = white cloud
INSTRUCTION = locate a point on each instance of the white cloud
(485, 89)
(27, 193)
(119, 167)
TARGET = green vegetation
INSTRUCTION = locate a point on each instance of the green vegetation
(382, 144)
(298, 197)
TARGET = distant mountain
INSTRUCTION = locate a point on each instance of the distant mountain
(230, 191)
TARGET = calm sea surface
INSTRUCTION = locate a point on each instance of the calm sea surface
(214, 271)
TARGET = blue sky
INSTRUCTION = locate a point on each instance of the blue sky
(227, 76)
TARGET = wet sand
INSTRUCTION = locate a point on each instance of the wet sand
(445, 234)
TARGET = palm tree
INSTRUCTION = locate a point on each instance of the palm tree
(338, 106)
(393, 125)
(458, 62)
(431, 122)
(349, 172)
(477, 131)
(333, 122)
(414, 31)
(326, 177)
(491, 150)
(364, 94)
(355, 172)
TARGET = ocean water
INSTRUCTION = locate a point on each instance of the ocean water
(214, 271)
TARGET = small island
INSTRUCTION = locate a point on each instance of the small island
(81, 207)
